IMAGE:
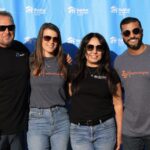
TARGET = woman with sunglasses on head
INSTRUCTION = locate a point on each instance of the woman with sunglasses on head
(96, 102)
(48, 119)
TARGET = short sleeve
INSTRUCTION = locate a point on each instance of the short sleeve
(115, 76)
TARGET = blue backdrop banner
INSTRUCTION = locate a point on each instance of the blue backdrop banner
(76, 18)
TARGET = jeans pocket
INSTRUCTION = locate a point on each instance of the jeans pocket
(73, 126)
(63, 113)
(110, 123)
(63, 110)
(35, 113)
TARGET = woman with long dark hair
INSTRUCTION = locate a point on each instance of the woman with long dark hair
(48, 119)
(96, 103)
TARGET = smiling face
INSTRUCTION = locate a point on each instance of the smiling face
(6, 36)
(93, 52)
(49, 42)
(132, 35)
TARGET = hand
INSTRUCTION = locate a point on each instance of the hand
(118, 144)
(69, 59)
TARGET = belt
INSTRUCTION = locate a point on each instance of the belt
(54, 106)
(91, 122)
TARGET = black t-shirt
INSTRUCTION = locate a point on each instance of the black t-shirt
(93, 99)
(14, 83)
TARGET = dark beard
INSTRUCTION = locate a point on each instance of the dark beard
(134, 47)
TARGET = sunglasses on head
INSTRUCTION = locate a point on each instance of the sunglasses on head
(135, 31)
(91, 47)
(48, 38)
(9, 27)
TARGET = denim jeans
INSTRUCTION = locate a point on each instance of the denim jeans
(136, 143)
(11, 142)
(48, 129)
(98, 137)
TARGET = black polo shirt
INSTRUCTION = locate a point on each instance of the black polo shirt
(93, 99)
(14, 83)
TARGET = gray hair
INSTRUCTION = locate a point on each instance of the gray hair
(6, 13)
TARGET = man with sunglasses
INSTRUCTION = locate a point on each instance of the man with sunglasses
(14, 77)
(133, 67)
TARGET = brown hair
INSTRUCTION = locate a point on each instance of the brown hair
(37, 58)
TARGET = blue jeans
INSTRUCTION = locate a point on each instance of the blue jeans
(48, 129)
(136, 143)
(98, 137)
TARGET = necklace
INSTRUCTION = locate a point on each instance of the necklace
(47, 66)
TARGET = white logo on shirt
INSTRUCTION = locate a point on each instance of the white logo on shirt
(20, 54)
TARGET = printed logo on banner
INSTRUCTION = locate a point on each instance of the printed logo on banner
(120, 11)
(73, 40)
(115, 40)
(35, 11)
(78, 11)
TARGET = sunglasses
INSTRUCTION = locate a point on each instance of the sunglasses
(90, 47)
(135, 31)
(48, 38)
(9, 27)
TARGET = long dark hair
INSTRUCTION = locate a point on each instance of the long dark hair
(104, 63)
(37, 58)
